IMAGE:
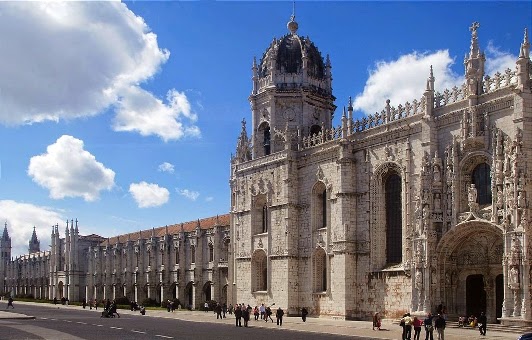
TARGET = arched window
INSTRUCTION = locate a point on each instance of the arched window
(211, 252)
(320, 206)
(264, 218)
(259, 271)
(392, 189)
(481, 178)
(320, 270)
(176, 255)
(267, 141)
(260, 215)
(192, 254)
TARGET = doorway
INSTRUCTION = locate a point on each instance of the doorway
(475, 295)
(499, 296)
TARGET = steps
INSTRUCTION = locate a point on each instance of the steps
(495, 327)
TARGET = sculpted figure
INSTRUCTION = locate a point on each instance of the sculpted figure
(472, 194)
(521, 200)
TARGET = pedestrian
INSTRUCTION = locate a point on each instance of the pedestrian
(417, 327)
(262, 311)
(304, 314)
(429, 327)
(224, 309)
(407, 326)
(482, 323)
(10, 303)
(256, 312)
(84, 303)
(238, 316)
(439, 324)
(245, 316)
(230, 309)
(206, 306)
(377, 321)
(108, 304)
(96, 304)
(218, 310)
(279, 315)
(268, 314)
(55, 300)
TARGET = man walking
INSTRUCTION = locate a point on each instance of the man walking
(439, 324)
(429, 327)
(10, 303)
(482, 323)
(238, 316)
(279, 314)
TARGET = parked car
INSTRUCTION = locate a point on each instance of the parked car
(526, 336)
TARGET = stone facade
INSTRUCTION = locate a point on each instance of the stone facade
(423, 203)
(187, 261)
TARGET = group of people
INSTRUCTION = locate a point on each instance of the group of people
(430, 323)
(244, 312)
(473, 321)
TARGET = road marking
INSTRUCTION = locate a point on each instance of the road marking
(115, 327)
(82, 323)
(94, 324)
(164, 336)
(138, 331)
(44, 318)
(68, 321)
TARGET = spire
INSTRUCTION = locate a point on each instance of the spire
(34, 244)
(430, 81)
(243, 146)
(5, 236)
(77, 230)
(524, 52)
(474, 51)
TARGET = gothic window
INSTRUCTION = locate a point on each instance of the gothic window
(267, 141)
(392, 189)
(192, 254)
(260, 215)
(321, 206)
(211, 252)
(259, 271)
(482, 179)
(176, 255)
(320, 270)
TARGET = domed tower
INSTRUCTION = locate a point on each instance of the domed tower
(291, 89)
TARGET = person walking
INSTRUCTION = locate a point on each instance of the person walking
(439, 324)
(482, 323)
(268, 314)
(407, 326)
(262, 311)
(10, 303)
(377, 321)
(206, 306)
(417, 327)
(245, 316)
(304, 313)
(230, 310)
(429, 327)
(279, 315)
(218, 310)
(238, 316)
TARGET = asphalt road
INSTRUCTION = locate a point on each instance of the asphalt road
(58, 324)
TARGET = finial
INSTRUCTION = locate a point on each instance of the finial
(474, 50)
(292, 24)
(350, 105)
(431, 73)
(524, 52)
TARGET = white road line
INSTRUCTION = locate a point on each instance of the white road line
(138, 331)
(94, 324)
(44, 318)
(115, 327)
(67, 320)
(164, 336)
(83, 323)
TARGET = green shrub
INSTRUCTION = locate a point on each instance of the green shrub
(122, 300)
(150, 303)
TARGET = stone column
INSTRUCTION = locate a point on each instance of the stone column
(177, 292)
(136, 294)
(162, 293)
(104, 292)
(114, 291)
(213, 296)
(194, 295)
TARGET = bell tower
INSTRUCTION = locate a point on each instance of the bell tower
(5, 257)
(292, 90)
(34, 244)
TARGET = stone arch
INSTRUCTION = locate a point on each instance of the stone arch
(471, 248)
(378, 213)
(264, 138)
(259, 271)
(466, 167)
(260, 214)
(206, 291)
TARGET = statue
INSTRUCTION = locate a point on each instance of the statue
(521, 200)
(418, 279)
(437, 202)
(437, 175)
(513, 278)
(472, 194)
(499, 198)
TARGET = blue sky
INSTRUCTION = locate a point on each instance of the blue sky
(124, 115)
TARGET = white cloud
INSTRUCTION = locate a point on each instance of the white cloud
(209, 199)
(148, 195)
(64, 60)
(67, 170)
(140, 111)
(191, 195)
(166, 167)
(405, 79)
(21, 218)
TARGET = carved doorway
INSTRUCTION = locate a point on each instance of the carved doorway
(475, 295)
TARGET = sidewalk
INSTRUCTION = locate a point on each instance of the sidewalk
(389, 330)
